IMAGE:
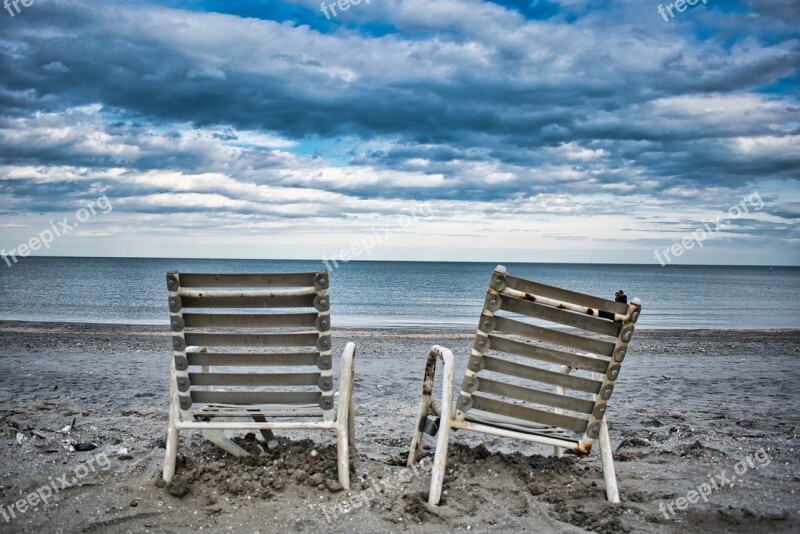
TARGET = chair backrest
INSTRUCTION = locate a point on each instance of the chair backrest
(510, 368)
(229, 321)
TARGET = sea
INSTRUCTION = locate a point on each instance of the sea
(391, 294)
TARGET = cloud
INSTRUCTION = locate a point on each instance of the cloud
(561, 108)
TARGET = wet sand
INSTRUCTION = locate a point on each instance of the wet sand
(691, 407)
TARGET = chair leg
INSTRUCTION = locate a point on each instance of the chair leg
(439, 461)
(612, 491)
(218, 438)
(343, 455)
(416, 440)
(265, 433)
(351, 430)
(345, 424)
(171, 454)
(343, 444)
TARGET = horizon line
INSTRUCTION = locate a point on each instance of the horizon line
(654, 264)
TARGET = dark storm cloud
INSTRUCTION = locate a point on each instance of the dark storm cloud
(126, 59)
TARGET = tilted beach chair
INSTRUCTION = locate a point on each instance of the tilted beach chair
(206, 395)
(504, 388)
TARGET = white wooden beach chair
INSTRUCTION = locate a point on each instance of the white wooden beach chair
(209, 340)
(504, 388)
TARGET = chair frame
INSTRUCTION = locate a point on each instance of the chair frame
(451, 417)
(340, 419)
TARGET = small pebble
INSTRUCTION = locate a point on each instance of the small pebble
(333, 485)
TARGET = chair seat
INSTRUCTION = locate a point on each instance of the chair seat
(518, 425)
(263, 410)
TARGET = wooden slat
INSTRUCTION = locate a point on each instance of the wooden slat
(247, 280)
(569, 318)
(529, 414)
(212, 301)
(505, 367)
(520, 284)
(250, 320)
(252, 340)
(512, 326)
(248, 359)
(253, 379)
(534, 395)
(576, 361)
(241, 412)
(256, 397)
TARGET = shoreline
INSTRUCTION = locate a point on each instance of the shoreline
(688, 404)
(431, 327)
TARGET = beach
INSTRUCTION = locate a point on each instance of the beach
(691, 407)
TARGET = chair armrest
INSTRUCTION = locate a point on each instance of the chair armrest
(445, 408)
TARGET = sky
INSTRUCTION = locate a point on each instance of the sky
(436, 130)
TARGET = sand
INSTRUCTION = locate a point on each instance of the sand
(691, 408)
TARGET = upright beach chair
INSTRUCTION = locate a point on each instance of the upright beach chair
(504, 388)
(209, 346)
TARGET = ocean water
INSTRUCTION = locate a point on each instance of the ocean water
(406, 294)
